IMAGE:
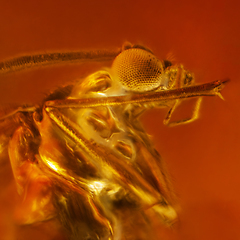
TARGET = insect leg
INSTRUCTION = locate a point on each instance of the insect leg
(207, 89)
(18, 110)
(122, 173)
(194, 116)
(170, 112)
(34, 187)
(99, 155)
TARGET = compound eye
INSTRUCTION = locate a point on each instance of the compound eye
(137, 70)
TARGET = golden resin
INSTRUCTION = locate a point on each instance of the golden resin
(85, 158)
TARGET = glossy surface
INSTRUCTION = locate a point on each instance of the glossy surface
(203, 156)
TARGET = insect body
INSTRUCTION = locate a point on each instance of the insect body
(83, 156)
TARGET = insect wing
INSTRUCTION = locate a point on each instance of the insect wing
(115, 144)
(86, 157)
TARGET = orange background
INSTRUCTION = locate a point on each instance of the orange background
(204, 156)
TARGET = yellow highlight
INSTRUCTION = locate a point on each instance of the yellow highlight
(97, 186)
(55, 167)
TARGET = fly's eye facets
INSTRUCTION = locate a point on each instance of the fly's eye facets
(138, 70)
(83, 156)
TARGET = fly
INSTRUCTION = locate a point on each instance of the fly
(83, 156)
